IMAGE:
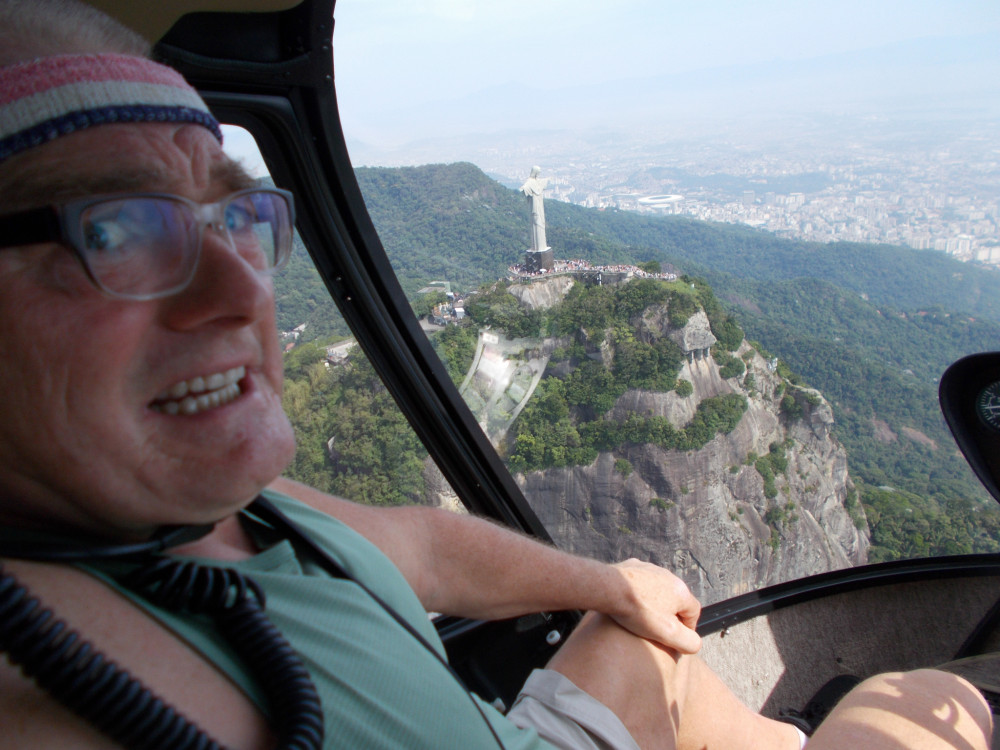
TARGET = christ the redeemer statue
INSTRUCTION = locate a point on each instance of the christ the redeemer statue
(532, 189)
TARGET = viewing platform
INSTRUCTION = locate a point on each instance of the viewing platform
(609, 274)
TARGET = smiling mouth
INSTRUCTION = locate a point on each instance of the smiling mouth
(200, 394)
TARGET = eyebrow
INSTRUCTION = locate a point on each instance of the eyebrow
(232, 174)
(38, 186)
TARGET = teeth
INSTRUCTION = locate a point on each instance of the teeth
(200, 393)
(178, 391)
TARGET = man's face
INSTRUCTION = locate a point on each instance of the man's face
(83, 440)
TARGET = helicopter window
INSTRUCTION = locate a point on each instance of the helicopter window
(708, 330)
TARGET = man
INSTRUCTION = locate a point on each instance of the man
(142, 382)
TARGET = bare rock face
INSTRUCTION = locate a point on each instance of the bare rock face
(696, 335)
(769, 502)
(705, 514)
(542, 294)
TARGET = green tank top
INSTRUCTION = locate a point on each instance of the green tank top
(380, 688)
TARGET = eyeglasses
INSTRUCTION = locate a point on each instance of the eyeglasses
(143, 246)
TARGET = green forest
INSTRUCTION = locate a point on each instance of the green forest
(302, 299)
(352, 439)
(870, 326)
(564, 424)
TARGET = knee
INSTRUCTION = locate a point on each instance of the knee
(599, 636)
(923, 705)
(600, 647)
(956, 691)
(945, 694)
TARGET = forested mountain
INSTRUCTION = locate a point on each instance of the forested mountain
(651, 428)
(302, 299)
(453, 220)
(902, 278)
(872, 327)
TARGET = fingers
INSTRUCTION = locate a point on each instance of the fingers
(685, 639)
(690, 608)
(665, 609)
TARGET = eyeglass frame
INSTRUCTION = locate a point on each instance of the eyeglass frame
(51, 223)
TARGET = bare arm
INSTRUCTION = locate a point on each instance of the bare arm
(460, 565)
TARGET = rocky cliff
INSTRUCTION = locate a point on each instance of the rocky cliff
(704, 514)
(768, 502)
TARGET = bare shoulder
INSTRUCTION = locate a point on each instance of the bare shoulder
(134, 641)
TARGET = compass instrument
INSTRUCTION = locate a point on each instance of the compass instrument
(988, 406)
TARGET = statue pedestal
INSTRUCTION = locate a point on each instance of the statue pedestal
(535, 262)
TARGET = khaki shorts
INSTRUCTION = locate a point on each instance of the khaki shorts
(566, 717)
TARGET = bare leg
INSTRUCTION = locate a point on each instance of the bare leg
(664, 700)
(925, 709)
(673, 702)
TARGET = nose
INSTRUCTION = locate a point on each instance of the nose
(226, 289)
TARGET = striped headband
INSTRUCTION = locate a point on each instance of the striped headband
(46, 98)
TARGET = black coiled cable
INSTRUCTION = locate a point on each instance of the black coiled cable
(224, 594)
(82, 679)
(86, 682)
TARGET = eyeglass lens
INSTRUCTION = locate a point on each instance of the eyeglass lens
(148, 245)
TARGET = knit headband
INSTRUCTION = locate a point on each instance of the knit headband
(50, 97)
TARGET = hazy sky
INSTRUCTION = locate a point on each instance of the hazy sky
(411, 69)
(398, 52)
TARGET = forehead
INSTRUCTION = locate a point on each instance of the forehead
(186, 160)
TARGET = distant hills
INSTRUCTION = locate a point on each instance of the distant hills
(439, 218)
